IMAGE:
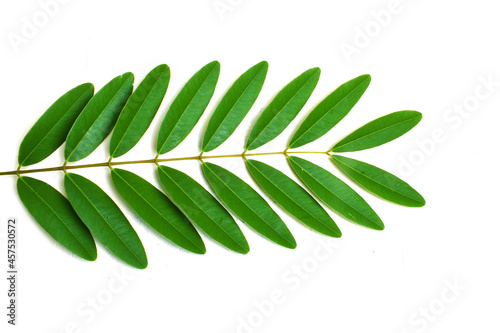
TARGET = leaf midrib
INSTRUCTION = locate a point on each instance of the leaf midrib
(295, 202)
(106, 221)
(202, 210)
(187, 106)
(304, 170)
(374, 132)
(233, 105)
(97, 118)
(159, 213)
(57, 215)
(259, 134)
(138, 110)
(53, 127)
(251, 209)
(329, 110)
(364, 175)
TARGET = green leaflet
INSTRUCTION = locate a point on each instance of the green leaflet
(379, 131)
(248, 205)
(330, 111)
(51, 129)
(379, 182)
(139, 111)
(105, 220)
(84, 120)
(54, 214)
(98, 118)
(202, 209)
(234, 106)
(335, 193)
(283, 109)
(293, 198)
(157, 210)
(187, 107)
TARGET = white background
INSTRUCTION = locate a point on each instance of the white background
(426, 55)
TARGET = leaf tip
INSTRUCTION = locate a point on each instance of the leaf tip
(141, 263)
(128, 76)
(242, 248)
(420, 202)
(316, 69)
(214, 63)
(200, 251)
(164, 66)
(263, 63)
(88, 85)
(336, 233)
(291, 244)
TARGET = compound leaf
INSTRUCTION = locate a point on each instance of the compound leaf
(202, 209)
(330, 111)
(293, 198)
(157, 210)
(105, 220)
(139, 111)
(379, 131)
(335, 193)
(283, 109)
(55, 215)
(98, 118)
(248, 205)
(51, 129)
(234, 106)
(379, 182)
(187, 107)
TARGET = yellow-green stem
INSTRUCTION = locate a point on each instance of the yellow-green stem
(155, 160)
